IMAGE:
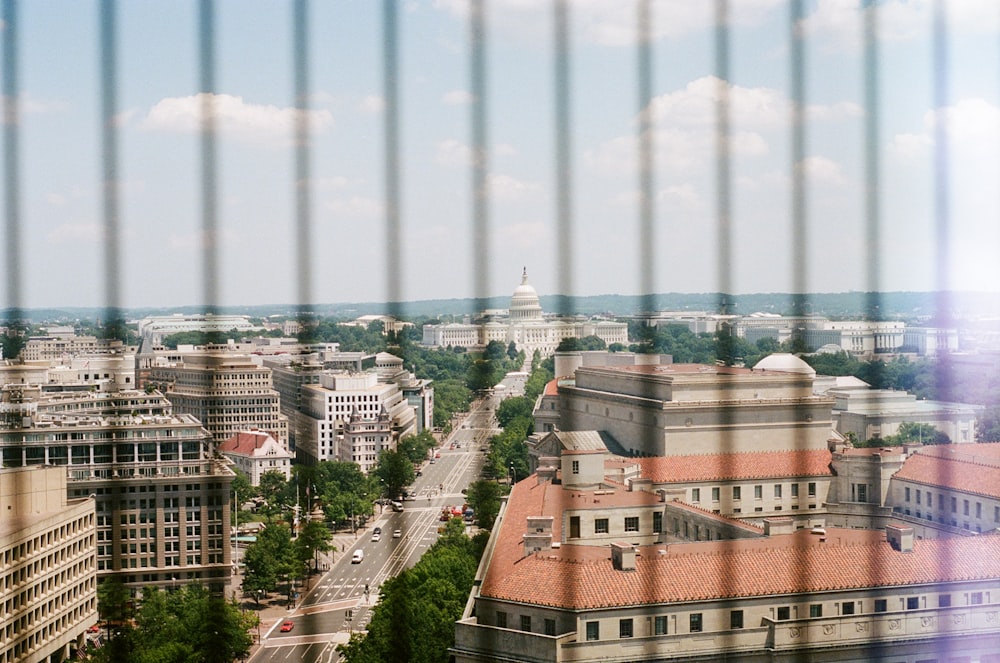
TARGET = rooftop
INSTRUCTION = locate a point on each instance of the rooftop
(722, 467)
(967, 468)
(582, 577)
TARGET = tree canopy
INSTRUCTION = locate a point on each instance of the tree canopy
(186, 625)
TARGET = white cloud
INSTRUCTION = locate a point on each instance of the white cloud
(356, 207)
(840, 21)
(452, 152)
(972, 127)
(821, 170)
(607, 23)
(508, 188)
(504, 150)
(252, 123)
(73, 233)
(458, 98)
(372, 103)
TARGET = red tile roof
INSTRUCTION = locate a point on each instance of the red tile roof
(582, 577)
(721, 467)
(552, 387)
(245, 442)
(968, 468)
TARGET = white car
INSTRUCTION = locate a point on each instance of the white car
(397, 533)
(377, 536)
(357, 556)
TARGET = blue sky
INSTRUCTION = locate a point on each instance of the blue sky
(158, 81)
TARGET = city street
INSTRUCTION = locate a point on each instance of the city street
(336, 603)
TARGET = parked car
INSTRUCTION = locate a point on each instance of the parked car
(357, 557)
(287, 626)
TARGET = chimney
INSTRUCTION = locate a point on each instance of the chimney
(545, 473)
(779, 525)
(623, 556)
(899, 537)
(538, 535)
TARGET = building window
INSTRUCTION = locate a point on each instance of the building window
(906, 494)
(632, 524)
(816, 610)
(965, 507)
(695, 623)
(601, 526)
(657, 522)
(795, 490)
(976, 598)
(574, 527)
(576, 467)
(930, 499)
(736, 492)
(624, 628)
(660, 625)
(715, 494)
(526, 622)
(777, 491)
(735, 619)
(550, 627)
(881, 605)
(847, 608)
(784, 612)
(912, 602)
(593, 630)
(944, 600)
(758, 492)
(811, 489)
(502, 619)
(918, 496)
(979, 510)
(696, 494)
(954, 505)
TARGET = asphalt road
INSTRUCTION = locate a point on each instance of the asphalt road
(337, 603)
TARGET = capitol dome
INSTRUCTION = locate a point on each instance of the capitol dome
(524, 304)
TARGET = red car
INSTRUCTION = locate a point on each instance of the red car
(287, 626)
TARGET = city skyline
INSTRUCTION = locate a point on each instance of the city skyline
(157, 65)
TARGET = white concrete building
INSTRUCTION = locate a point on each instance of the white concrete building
(526, 326)
(255, 452)
(330, 404)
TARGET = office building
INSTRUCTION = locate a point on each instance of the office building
(48, 578)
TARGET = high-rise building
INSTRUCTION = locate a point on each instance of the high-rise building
(48, 579)
(162, 499)
(226, 393)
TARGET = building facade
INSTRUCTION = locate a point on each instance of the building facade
(255, 452)
(226, 393)
(680, 409)
(578, 572)
(162, 499)
(526, 326)
(48, 575)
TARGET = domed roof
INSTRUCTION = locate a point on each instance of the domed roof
(784, 362)
(524, 304)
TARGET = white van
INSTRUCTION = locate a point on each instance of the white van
(358, 556)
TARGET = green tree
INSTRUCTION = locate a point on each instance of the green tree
(187, 625)
(484, 498)
(513, 408)
(395, 471)
(910, 432)
(314, 538)
(269, 560)
(415, 447)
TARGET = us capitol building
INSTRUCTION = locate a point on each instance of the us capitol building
(525, 325)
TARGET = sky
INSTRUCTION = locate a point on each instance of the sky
(159, 169)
